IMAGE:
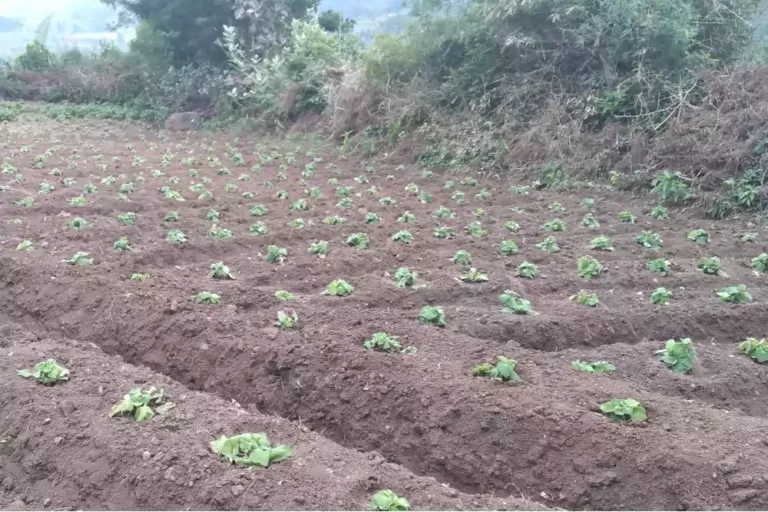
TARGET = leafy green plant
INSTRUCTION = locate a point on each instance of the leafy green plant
(432, 315)
(749, 237)
(443, 232)
(659, 266)
(139, 402)
(527, 270)
(760, 262)
(512, 226)
(588, 267)
(259, 210)
(371, 218)
(661, 296)
(602, 243)
(122, 245)
(710, 266)
(386, 500)
(319, 247)
(80, 258)
(483, 195)
(218, 232)
(220, 271)
(549, 245)
(387, 201)
(297, 224)
(660, 212)
(443, 212)
(281, 194)
(699, 236)
(473, 276)
(475, 229)
(623, 410)
(403, 236)
(46, 372)
(407, 218)
(345, 202)
(679, 356)
(735, 294)
(287, 321)
(458, 196)
(46, 188)
(512, 302)
(172, 216)
(585, 298)
(300, 205)
(508, 248)
(588, 204)
(503, 370)
(258, 228)
(207, 298)
(250, 450)
(671, 188)
(339, 288)
(554, 225)
(462, 257)
(359, 240)
(176, 236)
(284, 295)
(127, 218)
(522, 191)
(25, 245)
(139, 277)
(589, 221)
(334, 221)
(627, 217)
(649, 240)
(212, 215)
(755, 349)
(276, 254)
(383, 342)
(594, 366)
(405, 277)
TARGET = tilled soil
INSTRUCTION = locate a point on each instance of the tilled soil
(701, 448)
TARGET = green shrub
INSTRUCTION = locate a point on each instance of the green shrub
(624, 409)
(755, 349)
(679, 356)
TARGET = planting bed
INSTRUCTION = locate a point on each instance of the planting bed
(428, 417)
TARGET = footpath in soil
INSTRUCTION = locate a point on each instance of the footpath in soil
(702, 447)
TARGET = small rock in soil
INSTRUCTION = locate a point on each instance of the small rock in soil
(739, 481)
(145, 456)
(743, 495)
(57, 440)
(47, 502)
(8, 484)
(17, 505)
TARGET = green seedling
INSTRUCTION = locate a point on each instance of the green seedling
(176, 236)
(755, 349)
(585, 298)
(300, 205)
(250, 450)
(139, 277)
(549, 245)
(258, 228)
(80, 258)
(749, 237)
(139, 402)
(127, 218)
(483, 195)
(444, 213)
(371, 218)
(259, 210)
(405, 277)
(711, 266)
(89, 188)
(671, 187)
(462, 257)
(423, 197)
(47, 372)
(122, 245)
(218, 232)
(281, 194)
(588, 267)
(334, 221)
(276, 254)
(475, 229)
(176, 196)
(660, 212)
(286, 320)
(735, 294)
(432, 315)
(220, 271)
(27, 202)
(387, 201)
(503, 370)
(319, 248)
(649, 240)
(589, 221)
(554, 225)
(699, 236)
(383, 342)
(443, 233)
(313, 192)
(521, 191)
(512, 302)
(359, 240)
(659, 266)
(345, 202)
(449, 185)
(212, 215)
(588, 204)
(339, 288)
(283, 295)
(473, 276)
(386, 500)
(627, 217)
(344, 191)
(508, 248)
(661, 296)
(46, 188)
(594, 366)
(679, 356)
(527, 270)
(468, 182)
(480, 213)
(602, 243)
(403, 236)
(512, 226)
(427, 174)
(556, 208)
(297, 224)
(25, 245)
(412, 189)
(760, 263)
(207, 298)
(407, 218)
(624, 410)
(458, 196)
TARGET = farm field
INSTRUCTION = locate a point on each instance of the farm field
(414, 420)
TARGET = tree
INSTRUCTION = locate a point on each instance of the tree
(334, 21)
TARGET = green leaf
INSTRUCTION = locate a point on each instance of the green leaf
(260, 457)
(144, 413)
(280, 452)
(24, 373)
